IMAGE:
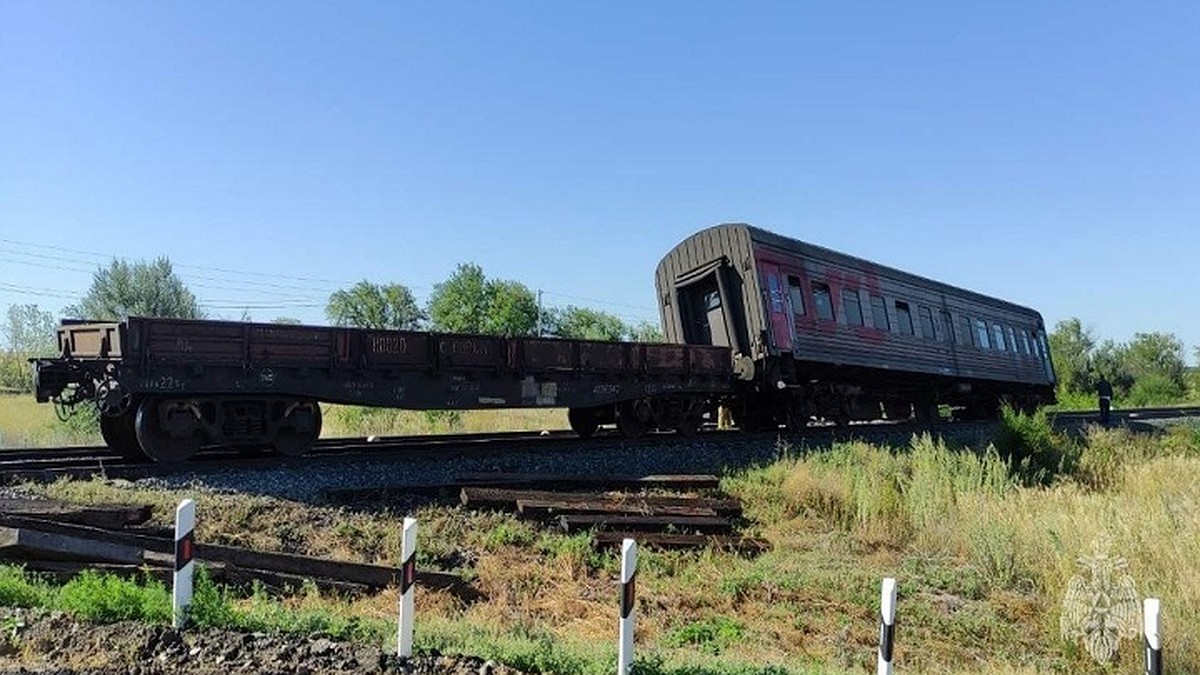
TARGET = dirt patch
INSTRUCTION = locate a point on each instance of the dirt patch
(39, 642)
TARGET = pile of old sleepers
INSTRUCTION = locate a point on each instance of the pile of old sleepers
(614, 508)
(62, 540)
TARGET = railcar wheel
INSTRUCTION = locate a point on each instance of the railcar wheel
(168, 431)
(583, 421)
(300, 428)
(119, 435)
(688, 425)
(632, 419)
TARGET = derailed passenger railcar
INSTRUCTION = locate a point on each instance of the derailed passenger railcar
(817, 333)
(168, 386)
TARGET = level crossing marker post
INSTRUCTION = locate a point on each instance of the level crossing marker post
(185, 564)
(628, 598)
(408, 580)
(1151, 619)
(887, 625)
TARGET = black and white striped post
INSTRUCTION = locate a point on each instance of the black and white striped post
(887, 625)
(1151, 626)
(628, 596)
(185, 552)
(408, 579)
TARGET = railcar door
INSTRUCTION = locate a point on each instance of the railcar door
(779, 318)
(704, 321)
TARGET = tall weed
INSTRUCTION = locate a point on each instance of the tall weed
(101, 597)
(20, 589)
(1036, 453)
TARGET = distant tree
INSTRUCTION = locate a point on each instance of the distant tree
(1156, 354)
(460, 303)
(469, 302)
(142, 288)
(1071, 348)
(368, 305)
(582, 323)
(286, 321)
(29, 330)
(646, 332)
(512, 309)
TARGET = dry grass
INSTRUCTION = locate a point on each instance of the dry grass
(26, 423)
(343, 421)
(982, 563)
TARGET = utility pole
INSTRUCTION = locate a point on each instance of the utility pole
(539, 325)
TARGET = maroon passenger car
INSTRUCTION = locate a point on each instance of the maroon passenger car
(817, 333)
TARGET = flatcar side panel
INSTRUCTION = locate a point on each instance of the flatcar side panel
(665, 358)
(471, 351)
(544, 355)
(603, 357)
(166, 341)
(303, 346)
(388, 349)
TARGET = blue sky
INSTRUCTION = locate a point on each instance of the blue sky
(1046, 153)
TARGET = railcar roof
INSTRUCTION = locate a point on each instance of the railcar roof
(768, 238)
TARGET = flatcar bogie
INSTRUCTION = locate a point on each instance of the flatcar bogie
(297, 429)
(168, 430)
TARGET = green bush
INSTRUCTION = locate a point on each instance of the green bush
(1154, 389)
(1031, 447)
(15, 373)
(100, 597)
(19, 589)
(710, 635)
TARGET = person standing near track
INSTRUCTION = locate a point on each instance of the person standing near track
(1104, 393)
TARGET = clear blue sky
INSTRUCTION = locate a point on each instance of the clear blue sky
(1047, 153)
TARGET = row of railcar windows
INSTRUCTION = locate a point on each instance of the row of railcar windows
(977, 333)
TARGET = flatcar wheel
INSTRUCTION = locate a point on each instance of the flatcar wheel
(167, 431)
(119, 435)
(629, 422)
(301, 427)
(688, 425)
(583, 421)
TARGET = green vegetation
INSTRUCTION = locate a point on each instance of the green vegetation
(368, 305)
(140, 288)
(983, 540)
(1149, 370)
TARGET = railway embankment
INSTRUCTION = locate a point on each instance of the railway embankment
(984, 554)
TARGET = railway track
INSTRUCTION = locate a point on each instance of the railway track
(86, 461)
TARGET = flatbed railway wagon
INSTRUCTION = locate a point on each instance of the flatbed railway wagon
(818, 333)
(167, 387)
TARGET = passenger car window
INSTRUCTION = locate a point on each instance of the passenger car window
(1024, 341)
(904, 318)
(947, 327)
(852, 307)
(796, 293)
(927, 330)
(823, 300)
(998, 335)
(965, 330)
(982, 331)
(776, 294)
(879, 310)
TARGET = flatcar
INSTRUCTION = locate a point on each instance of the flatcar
(819, 334)
(166, 387)
(780, 331)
